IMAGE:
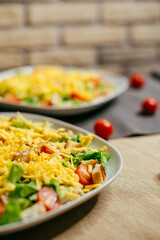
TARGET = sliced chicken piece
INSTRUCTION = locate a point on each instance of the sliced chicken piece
(4, 198)
(98, 174)
(55, 98)
(76, 191)
(71, 144)
(34, 211)
(23, 155)
(69, 131)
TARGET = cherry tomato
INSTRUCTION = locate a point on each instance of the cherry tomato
(149, 105)
(77, 96)
(95, 81)
(49, 197)
(137, 80)
(9, 98)
(2, 208)
(46, 103)
(103, 128)
(46, 150)
(2, 139)
(85, 177)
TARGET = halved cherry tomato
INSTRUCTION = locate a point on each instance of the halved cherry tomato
(95, 81)
(85, 178)
(49, 197)
(103, 128)
(46, 150)
(2, 139)
(2, 208)
(149, 105)
(46, 103)
(9, 98)
(137, 80)
(77, 96)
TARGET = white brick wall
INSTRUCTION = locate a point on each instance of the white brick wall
(26, 37)
(94, 35)
(118, 35)
(66, 56)
(61, 13)
(130, 12)
(11, 15)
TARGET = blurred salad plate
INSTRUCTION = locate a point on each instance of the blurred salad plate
(58, 90)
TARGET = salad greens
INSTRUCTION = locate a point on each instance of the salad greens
(16, 173)
(73, 137)
(18, 123)
(12, 213)
(31, 100)
(101, 156)
(56, 186)
(24, 189)
(41, 172)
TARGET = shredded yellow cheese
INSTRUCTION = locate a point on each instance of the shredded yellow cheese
(45, 82)
(24, 146)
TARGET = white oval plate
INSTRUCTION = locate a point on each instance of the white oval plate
(120, 83)
(113, 169)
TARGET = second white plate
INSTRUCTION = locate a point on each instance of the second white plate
(118, 81)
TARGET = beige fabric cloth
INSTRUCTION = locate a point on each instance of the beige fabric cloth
(129, 208)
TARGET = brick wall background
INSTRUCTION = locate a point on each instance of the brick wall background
(118, 35)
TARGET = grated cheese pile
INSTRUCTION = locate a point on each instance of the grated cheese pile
(16, 142)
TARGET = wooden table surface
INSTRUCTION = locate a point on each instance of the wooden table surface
(128, 209)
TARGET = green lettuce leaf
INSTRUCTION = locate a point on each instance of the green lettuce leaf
(18, 123)
(56, 186)
(33, 197)
(11, 214)
(101, 156)
(24, 190)
(13, 210)
(15, 174)
(31, 100)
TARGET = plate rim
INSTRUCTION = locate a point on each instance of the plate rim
(19, 226)
(93, 104)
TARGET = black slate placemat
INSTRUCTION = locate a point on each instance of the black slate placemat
(125, 113)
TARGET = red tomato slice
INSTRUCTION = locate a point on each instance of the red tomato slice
(75, 95)
(46, 103)
(95, 81)
(85, 177)
(2, 139)
(2, 208)
(9, 98)
(46, 150)
(49, 197)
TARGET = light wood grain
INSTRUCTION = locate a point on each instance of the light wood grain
(127, 209)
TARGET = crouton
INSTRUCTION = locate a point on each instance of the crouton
(91, 162)
(23, 155)
(71, 144)
(98, 174)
